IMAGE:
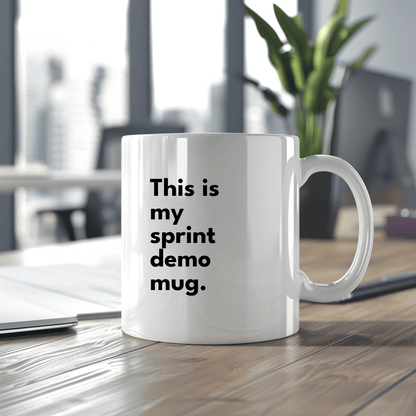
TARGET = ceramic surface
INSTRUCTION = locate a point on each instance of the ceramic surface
(210, 231)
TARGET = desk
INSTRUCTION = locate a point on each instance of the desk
(346, 359)
(54, 180)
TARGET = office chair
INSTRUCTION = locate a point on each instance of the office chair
(103, 207)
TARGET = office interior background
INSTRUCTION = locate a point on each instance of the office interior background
(82, 65)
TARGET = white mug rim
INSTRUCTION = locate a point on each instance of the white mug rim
(199, 136)
(189, 135)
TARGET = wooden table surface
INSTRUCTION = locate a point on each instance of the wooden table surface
(349, 359)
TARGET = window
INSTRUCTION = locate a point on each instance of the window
(188, 63)
(72, 79)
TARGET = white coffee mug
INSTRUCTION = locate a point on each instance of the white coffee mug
(210, 231)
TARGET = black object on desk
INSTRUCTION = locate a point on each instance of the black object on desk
(402, 225)
(385, 286)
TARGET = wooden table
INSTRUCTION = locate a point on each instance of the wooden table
(348, 359)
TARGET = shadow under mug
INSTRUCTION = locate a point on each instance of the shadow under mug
(210, 236)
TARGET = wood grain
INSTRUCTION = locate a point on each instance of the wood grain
(355, 358)
(326, 261)
(91, 342)
(171, 379)
(180, 379)
(396, 399)
(171, 375)
(334, 381)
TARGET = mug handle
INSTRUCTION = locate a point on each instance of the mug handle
(322, 292)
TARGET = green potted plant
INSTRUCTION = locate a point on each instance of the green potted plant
(304, 69)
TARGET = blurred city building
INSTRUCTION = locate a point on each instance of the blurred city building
(73, 81)
(73, 75)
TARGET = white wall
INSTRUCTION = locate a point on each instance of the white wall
(393, 31)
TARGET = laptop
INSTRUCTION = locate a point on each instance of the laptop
(51, 297)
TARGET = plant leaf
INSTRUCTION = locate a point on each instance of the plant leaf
(328, 96)
(298, 20)
(285, 73)
(297, 37)
(345, 34)
(301, 131)
(251, 81)
(336, 39)
(279, 60)
(310, 130)
(277, 106)
(357, 26)
(359, 63)
(324, 39)
(316, 99)
(342, 9)
(298, 72)
(270, 96)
